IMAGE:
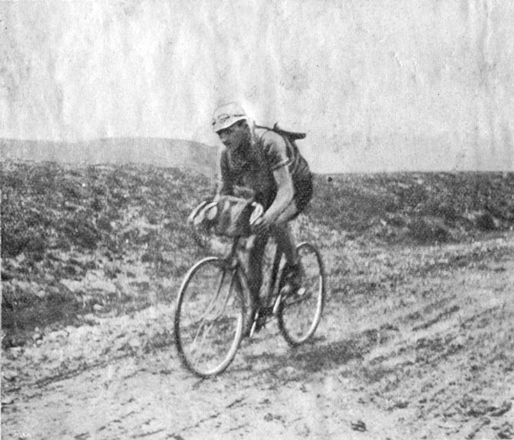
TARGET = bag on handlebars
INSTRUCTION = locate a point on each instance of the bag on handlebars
(227, 216)
(233, 217)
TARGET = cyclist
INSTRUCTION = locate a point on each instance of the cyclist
(265, 162)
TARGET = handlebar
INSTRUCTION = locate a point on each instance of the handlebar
(209, 210)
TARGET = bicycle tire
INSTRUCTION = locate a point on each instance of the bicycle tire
(298, 318)
(209, 318)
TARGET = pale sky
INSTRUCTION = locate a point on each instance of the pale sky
(376, 84)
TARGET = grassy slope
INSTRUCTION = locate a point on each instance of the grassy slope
(420, 207)
(79, 239)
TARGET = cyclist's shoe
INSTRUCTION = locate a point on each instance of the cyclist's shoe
(293, 278)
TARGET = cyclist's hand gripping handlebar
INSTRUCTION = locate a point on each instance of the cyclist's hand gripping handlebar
(256, 216)
(206, 212)
(259, 225)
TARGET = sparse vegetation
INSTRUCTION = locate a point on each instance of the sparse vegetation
(111, 237)
(75, 238)
(416, 207)
(419, 314)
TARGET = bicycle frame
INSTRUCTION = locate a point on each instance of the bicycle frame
(273, 283)
(236, 266)
(267, 304)
(210, 321)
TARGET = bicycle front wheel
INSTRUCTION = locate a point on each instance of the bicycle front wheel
(208, 318)
(299, 315)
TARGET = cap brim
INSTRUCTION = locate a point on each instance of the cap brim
(228, 123)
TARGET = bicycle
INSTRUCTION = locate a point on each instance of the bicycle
(215, 308)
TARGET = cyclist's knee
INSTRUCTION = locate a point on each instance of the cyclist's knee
(289, 214)
(282, 232)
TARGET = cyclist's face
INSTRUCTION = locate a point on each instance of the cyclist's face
(234, 136)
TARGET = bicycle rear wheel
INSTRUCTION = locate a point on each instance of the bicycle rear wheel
(299, 315)
(208, 318)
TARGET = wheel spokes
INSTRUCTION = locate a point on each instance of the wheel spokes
(208, 321)
(300, 314)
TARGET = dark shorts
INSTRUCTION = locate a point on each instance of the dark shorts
(303, 193)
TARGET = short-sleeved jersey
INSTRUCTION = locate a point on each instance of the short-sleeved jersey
(254, 169)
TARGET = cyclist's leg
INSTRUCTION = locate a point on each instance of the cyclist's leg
(255, 257)
(286, 241)
(283, 233)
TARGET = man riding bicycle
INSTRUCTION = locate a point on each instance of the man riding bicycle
(266, 162)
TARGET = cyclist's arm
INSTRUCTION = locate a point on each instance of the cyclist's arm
(275, 149)
(284, 197)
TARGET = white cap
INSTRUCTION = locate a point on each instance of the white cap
(227, 115)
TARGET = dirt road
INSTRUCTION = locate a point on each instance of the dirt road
(415, 343)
